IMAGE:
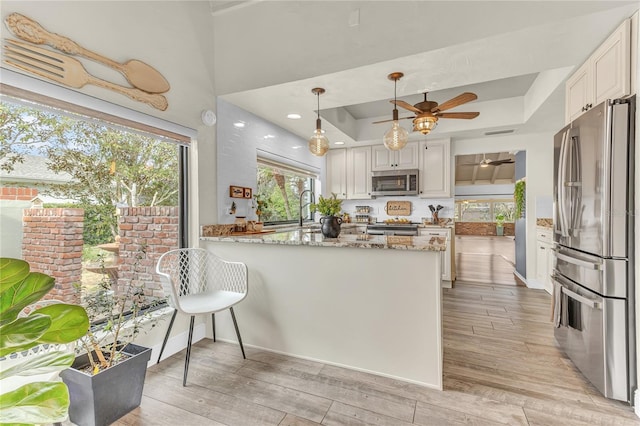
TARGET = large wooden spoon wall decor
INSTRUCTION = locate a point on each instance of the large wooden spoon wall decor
(139, 74)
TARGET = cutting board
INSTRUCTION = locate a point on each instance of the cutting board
(398, 208)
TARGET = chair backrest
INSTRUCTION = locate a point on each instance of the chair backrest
(190, 271)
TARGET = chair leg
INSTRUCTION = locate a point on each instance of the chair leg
(235, 324)
(166, 336)
(213, 325)
(186, 361)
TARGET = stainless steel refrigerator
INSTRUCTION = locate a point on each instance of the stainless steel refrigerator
(594, 292)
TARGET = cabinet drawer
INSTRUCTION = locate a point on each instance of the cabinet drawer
(544, 235)
(434, 232)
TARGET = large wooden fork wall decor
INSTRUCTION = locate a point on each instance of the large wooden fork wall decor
(147, 82)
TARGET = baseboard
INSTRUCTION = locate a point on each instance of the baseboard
(532, 283)
(176, 343)
(636, 402)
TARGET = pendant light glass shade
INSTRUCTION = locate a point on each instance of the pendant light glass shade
(318, 143)
(396, 138)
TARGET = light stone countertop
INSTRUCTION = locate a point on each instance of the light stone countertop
(301, 238)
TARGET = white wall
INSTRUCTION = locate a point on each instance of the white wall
(539, 148)
(239, 148)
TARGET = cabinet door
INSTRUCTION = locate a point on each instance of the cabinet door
(382, 158)
(578, 93)
(359, 173)
(541, 258)
(611, 66)
(435, 166)
(408, 157)
(336, 173)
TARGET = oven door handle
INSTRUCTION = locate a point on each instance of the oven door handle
(590, 303)
(578, 262)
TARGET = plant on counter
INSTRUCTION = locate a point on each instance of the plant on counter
(262, 204)
(500, 220)
(328, 206)
(33, 345)
(519, 193)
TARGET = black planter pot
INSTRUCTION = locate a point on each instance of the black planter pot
(330, 226)
(104, 398)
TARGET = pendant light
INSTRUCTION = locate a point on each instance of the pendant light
(318, 143)
(396, 138)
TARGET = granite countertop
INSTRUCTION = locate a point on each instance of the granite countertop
(301, 238)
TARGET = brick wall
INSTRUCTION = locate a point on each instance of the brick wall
(482, 228)
(21, 194)
(152, 229)
(52, 244)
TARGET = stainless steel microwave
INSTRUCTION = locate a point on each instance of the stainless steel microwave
(394, 182)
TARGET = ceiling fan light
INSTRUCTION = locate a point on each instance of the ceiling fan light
(484, 165)
(424, 125)
(396, 138)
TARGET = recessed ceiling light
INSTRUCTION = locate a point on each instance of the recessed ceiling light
(294, 116)
(338, 143)
(296, 147)
(268, 136)
(239, 124)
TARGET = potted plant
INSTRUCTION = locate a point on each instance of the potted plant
(330, 209)
(107, 377)
(500, 224)
(262, 204)
(32, 346)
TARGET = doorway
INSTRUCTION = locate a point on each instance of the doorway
(485, 222)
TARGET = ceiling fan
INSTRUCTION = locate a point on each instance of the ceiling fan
(428, 112)
(486, 162)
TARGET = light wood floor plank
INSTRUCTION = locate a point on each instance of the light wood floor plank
(342, 414)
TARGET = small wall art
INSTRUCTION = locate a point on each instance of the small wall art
(236, 191)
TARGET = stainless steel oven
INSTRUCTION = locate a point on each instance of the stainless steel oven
(394, 182)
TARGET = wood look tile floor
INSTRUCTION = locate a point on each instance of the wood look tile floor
(501, 366)
(486, 259)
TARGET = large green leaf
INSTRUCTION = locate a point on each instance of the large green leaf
(21, 294)
(46, 362)
(39, 402)
(68, 323)
(13, 271)
(23, 333)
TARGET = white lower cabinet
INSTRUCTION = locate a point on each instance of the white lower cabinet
(447, 259)
(545, 258)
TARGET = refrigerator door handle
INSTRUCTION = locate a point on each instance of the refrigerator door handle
(578, 262)
(563, 225)
(575, 296)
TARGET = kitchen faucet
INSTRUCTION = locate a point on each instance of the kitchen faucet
(313, 200)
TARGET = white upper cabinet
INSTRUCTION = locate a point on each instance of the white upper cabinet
(406, 158)
(359, 173)
(336, 173)
(435, 168)
(605, 75)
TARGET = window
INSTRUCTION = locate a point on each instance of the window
(280, 186)
(484, 210)
(96, 202)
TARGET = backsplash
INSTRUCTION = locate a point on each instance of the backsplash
(419, 208)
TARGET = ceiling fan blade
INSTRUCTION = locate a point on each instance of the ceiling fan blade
(458, 100)
(391, 119)
(465, 115)
(408, 106)
(500, 162)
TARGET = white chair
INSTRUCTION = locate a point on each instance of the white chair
(198, 282)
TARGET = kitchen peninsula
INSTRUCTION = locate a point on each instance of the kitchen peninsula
(370, 303)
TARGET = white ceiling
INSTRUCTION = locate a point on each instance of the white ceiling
(517, 67)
